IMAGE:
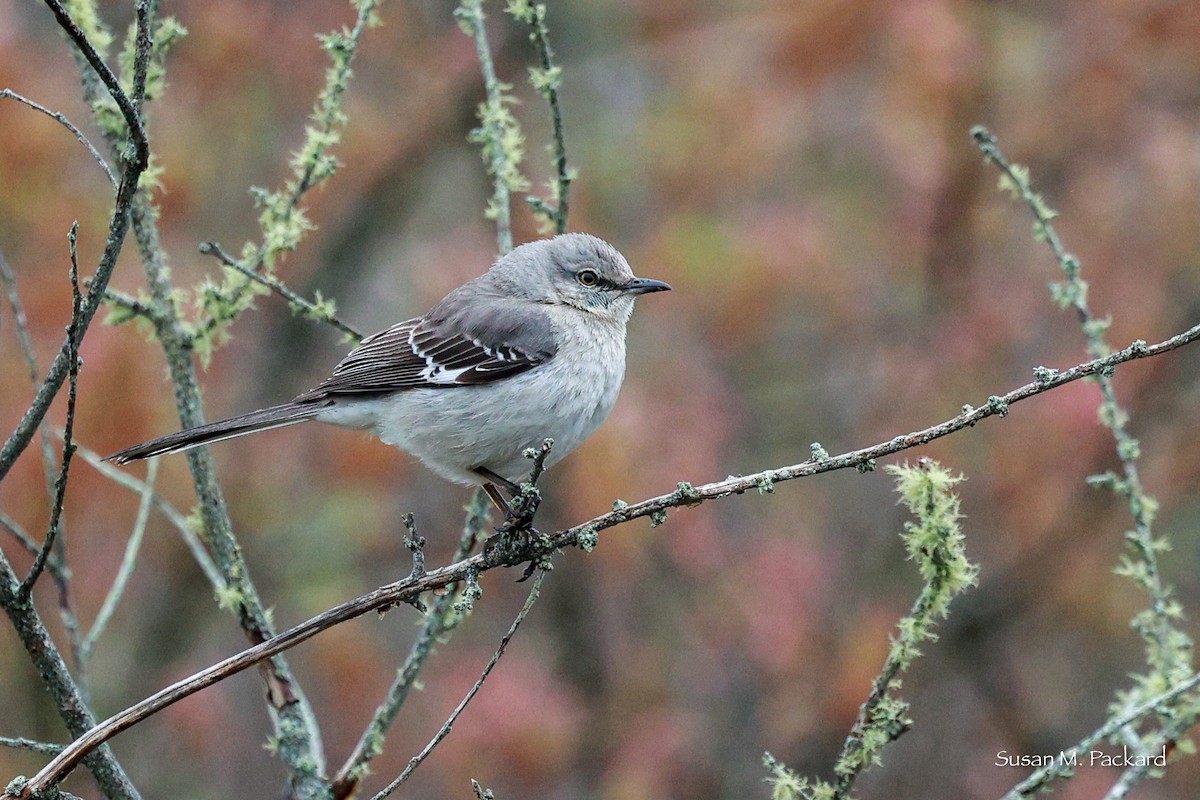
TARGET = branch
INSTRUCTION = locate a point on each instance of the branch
(173, 515)
(1168, 648)
(131, 108)
(296, 738)
(117, 228)
(320, 311)
(444, 731)
(128, 561)
(584, 536)
(498, 130)
(60, 485)
(68, 702)
(22, 329)
(439, 621)
(32, 745)
(282, 221)
(1060, 767)
(935, 543)
(66, 123)
(546, 80)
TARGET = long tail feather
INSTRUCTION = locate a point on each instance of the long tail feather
(261, 420)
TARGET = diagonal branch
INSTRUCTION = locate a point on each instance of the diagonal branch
(444, 731)
(61, 119)
(319, 310)
(131, 107)
(439, 621)
(583, 536)
(117, 228)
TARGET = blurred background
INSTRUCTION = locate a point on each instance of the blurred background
(844, 271)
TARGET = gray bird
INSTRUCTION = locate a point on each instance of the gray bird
(533, 349)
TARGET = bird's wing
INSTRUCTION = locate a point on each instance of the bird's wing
(445, 348)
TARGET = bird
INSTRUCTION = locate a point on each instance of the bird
(533, 349)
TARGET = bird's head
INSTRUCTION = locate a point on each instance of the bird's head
(577, 270)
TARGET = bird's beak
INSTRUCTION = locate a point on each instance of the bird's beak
(644, 286)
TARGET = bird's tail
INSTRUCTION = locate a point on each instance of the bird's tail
(261, 420)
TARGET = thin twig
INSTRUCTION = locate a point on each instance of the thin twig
(546, 81)
(57, 568)
(118, 224)
(22, 329)
(500, 153)
(66, 123)
(1061, 766)
(444, 731)
(128, 561)
(177, 519)
(439, 621)
(60, 486)
(317, 311)
(584, 536)
(134, 306)
(32, 745)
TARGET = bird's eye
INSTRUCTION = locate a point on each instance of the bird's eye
(587, 277)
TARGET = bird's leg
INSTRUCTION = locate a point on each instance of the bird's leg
(515, 537)
(518, 509)
(498, 500)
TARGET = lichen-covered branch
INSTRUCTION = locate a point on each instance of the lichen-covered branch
(1040, 779)
(499, 133)
(935, 543)
(1168, 648)
(546, 79)
(584, 536)
(282, 219)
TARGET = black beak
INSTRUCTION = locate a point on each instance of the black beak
(645, 286)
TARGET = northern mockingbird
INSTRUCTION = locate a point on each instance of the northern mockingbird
(533, 349)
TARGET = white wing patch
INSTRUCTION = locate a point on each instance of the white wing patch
(445, 374)
(416, 354)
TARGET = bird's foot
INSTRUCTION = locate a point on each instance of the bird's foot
(520, 545)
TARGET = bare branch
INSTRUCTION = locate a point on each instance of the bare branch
(66, 123)
(439, 621)
(60, 485)
(444, 731)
